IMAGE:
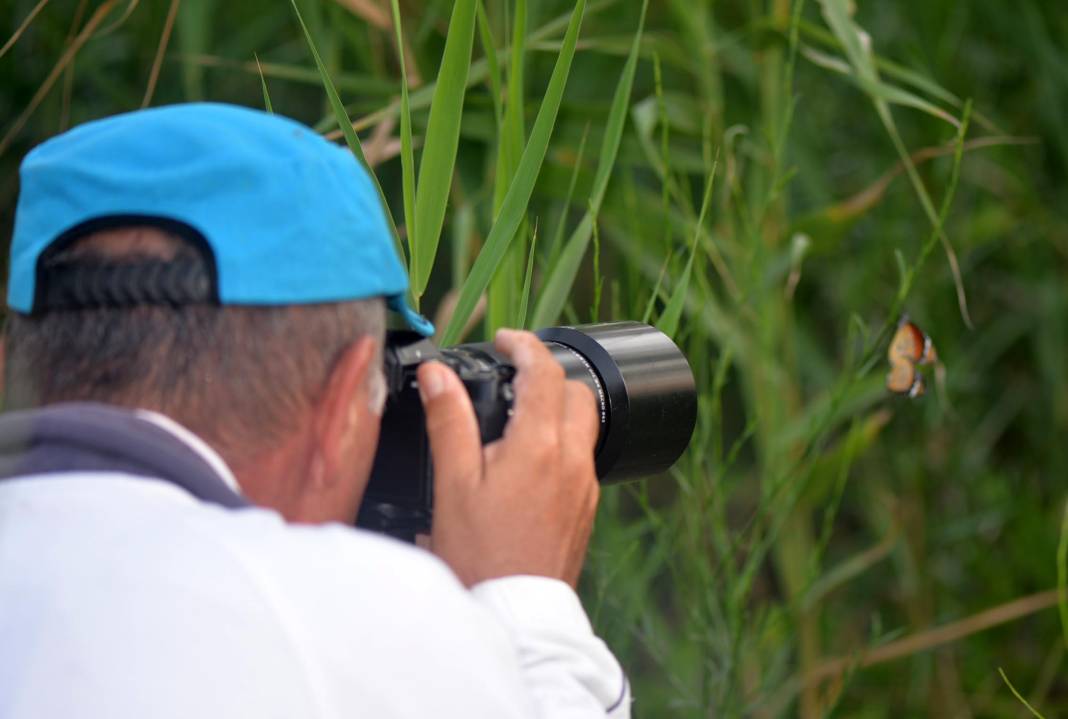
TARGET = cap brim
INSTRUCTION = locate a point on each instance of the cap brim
(413, 319)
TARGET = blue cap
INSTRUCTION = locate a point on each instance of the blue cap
(289, 217)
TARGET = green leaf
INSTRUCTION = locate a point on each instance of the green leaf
(345, 124)
(562, 274)
(407, 153)
(442, 141)
(514, 207)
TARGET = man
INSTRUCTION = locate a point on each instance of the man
(197, 300)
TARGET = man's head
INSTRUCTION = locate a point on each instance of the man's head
(237, 269)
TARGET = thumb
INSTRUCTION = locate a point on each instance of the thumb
(455, 441)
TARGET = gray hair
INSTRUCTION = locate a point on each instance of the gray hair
(237, 376)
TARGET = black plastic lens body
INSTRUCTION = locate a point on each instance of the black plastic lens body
(649, 405)
(641, 380)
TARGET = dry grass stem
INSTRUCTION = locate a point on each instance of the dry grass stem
(22, 28)
(165, 36)
(65, 59)
(927, 640)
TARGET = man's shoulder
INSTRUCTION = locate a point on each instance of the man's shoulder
(155, 530)
(327, 551)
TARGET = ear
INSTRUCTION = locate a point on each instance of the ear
(343, 407)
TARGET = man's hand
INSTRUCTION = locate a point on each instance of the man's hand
(523, 504)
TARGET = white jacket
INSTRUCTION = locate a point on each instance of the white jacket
(123, 596)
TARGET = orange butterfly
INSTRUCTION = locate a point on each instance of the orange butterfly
(909, 349)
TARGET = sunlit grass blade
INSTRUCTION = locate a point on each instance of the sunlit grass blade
(514, 207)
(263, 83)
(345, 124)
(562, 275)
(407, 151)
(441, 143)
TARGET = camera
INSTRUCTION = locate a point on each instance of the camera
(643, 385)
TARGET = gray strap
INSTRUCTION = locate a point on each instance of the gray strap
(90, 437)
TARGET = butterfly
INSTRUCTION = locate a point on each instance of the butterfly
(909, 349)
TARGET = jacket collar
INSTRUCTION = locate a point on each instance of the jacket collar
(91, 437)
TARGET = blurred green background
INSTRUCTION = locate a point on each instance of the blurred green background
(825, 548)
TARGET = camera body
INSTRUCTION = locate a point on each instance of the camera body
(400, 496)
(642, 383)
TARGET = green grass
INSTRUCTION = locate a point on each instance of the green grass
(773, 183)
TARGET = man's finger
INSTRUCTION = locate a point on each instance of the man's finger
(582, 421)
(539, 382)
(455, 442)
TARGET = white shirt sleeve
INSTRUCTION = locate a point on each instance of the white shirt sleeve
(567, 669)
(395, 632)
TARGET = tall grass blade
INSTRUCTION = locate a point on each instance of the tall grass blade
(263, 83)
(524, 296)
(503, 297)
(422, 97)
(1019, 696)
(407, 151)
(669, 321)
(442, 141)
(514, 135)
(857, 46)
(879, 89)
(514, 207)
(489, 49)
(648, 314)
(561, 224)
(345, 124)
(562, 275)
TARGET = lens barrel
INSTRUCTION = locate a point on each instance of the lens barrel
(644, 387)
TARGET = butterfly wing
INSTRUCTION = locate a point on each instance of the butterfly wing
(902, 377)
(908, 344)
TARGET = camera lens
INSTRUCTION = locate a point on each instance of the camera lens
(642, 382)
(644, 388)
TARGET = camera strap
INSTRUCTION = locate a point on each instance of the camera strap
(91, 437)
